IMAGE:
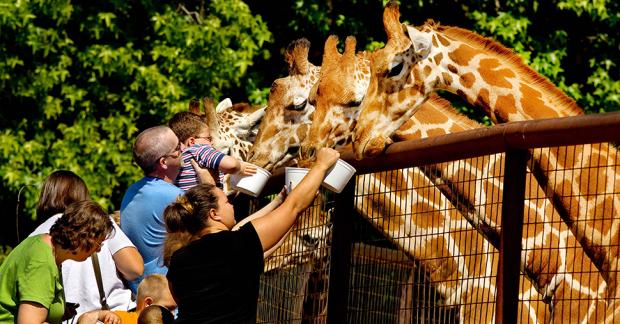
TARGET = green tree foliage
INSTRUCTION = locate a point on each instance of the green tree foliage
(79, 79)
(574, 43)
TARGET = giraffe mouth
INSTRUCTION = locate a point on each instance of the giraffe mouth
(372, 147)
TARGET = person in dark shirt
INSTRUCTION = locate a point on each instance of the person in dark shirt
(213, 271)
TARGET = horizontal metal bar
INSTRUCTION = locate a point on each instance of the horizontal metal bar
(595, 128)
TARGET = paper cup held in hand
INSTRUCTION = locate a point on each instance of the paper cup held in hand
(293, 176)
(251, 185)
(338, 176)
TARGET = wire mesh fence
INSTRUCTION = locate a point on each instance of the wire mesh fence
(425, 244)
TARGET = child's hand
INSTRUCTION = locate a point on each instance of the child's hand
(247, 169)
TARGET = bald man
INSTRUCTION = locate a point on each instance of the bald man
(157, 151)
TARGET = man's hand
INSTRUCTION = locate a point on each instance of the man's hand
(203, 175)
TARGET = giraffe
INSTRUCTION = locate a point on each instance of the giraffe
(340, 89)
(288, 110)
(430, 234)
(409, 68)
(233, 127)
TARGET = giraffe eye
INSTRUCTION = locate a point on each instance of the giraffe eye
(354, 103)
(298, 107)
(395, 70)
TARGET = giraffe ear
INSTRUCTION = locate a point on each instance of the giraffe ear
(223, 105)
(330, 50)
(296, 56)
(194, 106)
(349, 47)
(421, 41)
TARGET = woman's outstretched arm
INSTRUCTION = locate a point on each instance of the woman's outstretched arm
(272, 227)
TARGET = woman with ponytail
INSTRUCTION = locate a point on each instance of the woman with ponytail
(213, 271)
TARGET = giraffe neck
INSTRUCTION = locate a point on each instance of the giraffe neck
(492, 77)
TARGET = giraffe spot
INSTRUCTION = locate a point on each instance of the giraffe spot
(440, 265)
(504, 106)
(466, 183)
(452, 69)
(402, 96)
(601, 217)
(463, 54)
(438, 57)
(545, 260)
(472, 245)
(456, 128)
(381, 211)
(434, 40)
(571, 304)
(493, 74)
(427, 70)
(444, 41)
(447, 78)
(592, 179)
(533, 105)
(302, 131)
(435, 132)
(478, 305)
(467, 79)
(565, 156)
(426, 216)
(532, 224)
(483, 100)
(579, 264)
(493, 194)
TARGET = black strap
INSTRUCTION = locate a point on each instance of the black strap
(102, 298)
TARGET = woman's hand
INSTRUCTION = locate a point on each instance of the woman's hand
(326, 158)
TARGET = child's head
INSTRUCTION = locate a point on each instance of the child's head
(154, 290)
(155, 314)
(190, 129)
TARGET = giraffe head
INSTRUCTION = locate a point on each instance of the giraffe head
(342, 84)
(288, 114)
(396, 90)
(233, 127)
(307, 240)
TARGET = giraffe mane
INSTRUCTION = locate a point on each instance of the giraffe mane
(507, 55)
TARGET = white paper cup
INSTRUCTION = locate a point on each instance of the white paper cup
(251, 185)
(293, 176)
(338, 176)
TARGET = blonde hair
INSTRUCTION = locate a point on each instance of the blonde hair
(152, 286)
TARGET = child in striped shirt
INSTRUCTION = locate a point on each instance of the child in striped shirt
(194, 134)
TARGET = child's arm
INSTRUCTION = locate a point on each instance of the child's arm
(231, 165)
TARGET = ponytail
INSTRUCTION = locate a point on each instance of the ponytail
(187, 217)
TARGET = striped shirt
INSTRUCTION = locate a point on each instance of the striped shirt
(207, 157)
